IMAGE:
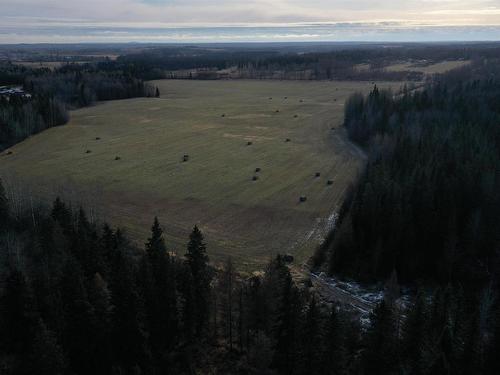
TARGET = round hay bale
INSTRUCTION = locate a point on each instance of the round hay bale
(329, 182)
(318, 174)
(257, 170)
(302, 198)
(255, 178)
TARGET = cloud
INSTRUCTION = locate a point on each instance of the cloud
(18, 17)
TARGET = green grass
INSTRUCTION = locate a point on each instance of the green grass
(214, 189)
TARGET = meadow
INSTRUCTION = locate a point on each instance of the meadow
(129, 156)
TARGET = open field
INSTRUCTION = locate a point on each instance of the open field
(437, 68)
(131, 153)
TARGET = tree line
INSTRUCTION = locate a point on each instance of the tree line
(54, 93)
(295, 62)
(427, 204)
(79, 298)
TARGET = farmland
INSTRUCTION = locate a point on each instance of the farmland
(428, 69)
(129, 155)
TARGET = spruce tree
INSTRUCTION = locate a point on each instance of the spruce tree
(4, 209)
(155, 247)
(286, 330)
(197, 260)
(19, 315)
(334, 355)
(79, 330)
(47, 357)
(227, 301)
(100, 299)
(414, 334)
(312, 339)
(159, 290)
(130, 347)
(380, 356)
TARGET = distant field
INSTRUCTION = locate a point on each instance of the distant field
(437, 68)
(40, 64)
(212, 122)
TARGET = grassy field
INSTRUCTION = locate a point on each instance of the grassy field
(129, 155)
(437, 68)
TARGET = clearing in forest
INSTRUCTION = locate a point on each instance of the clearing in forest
(192, 157)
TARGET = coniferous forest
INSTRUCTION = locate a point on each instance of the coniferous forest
(54, 93)
(77, 296)
(427, 204)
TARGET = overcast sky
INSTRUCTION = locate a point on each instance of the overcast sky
(155, 20)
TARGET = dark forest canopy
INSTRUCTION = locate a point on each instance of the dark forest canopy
(427, 204)
(324, 62)
(78, 298)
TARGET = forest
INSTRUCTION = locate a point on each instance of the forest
(294, 62)
(427, 204)
(79, 298)
(54, 93)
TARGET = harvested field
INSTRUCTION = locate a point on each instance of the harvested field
(137, 163)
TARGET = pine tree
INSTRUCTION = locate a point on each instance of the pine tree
(63, 216)
(19, 315)
(334, 356)
(492, 363)
(4, 209)
(187, 303)
(159, 290)
(47, 357)
(227, 300)
(100, 299)
(155, 247)
(129, 342)
(157, 93)
(312, 339)
(414, 334)
(79, 330)
(286, 330)
(197, 260)
(380, 356)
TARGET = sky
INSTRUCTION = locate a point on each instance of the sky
(182, 21)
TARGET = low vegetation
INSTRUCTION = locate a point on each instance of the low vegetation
(182, 161)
